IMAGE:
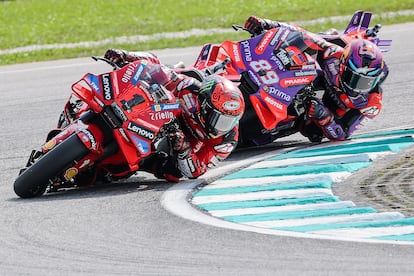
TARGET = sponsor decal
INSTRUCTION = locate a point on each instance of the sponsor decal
(331, 131)
(198, 146)
(50, 144)
(273, 102)
(107, 87)
(142, 146)
(190, 164)
(370, 111)
(70, 173)
(92, 80)
(231, 105)
(278, 63)
(278, 93)
(224, 148)
(141, 131)
(264, 42)
(285, 35)
(296, 81)
(123, 133)
(85, 163)
(88, 137)
(205, 52)
(283, 56)
(236, 53)
(276, 37)
(129, 72)
(305, 73)
(161, 115)
(308, 67)
(118, 112)
(137, 74)
(330, 52)
(189, 102)
(246, 50)
(254, 77)
(185, 83)
(160, 107)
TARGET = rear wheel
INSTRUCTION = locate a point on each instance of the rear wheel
(34, 180)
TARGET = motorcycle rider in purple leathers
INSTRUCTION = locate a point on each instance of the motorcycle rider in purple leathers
(352, 78)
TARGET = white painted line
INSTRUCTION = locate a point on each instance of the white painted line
(320, 160)
(299, 193)
(317, 160)
(285, 208)
(370, 232)
(334, 177)
(327, 220)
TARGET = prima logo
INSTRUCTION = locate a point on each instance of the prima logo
(280, 94)
(247, 51)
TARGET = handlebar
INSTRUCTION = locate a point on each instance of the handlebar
(110, 62)
(216, 67)
(241, 28)
(372, 32)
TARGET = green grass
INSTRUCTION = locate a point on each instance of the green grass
(31, 22)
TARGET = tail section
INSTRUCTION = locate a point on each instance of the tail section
(360, 20)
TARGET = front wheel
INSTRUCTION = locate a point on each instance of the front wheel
(34, 180)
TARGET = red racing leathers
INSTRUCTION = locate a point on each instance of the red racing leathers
(194, 151)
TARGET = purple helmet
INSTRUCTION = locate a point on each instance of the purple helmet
(361, 67)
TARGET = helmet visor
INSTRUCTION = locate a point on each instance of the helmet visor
(217, 123)
(356, 83)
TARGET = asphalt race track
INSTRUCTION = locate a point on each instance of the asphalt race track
(124, 229)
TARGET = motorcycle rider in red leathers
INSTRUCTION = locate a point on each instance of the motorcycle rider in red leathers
(351, 81)
(207, 130)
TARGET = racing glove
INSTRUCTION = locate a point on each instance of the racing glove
(162, 166)
(256, 25)
(324, 119)
(319, 113)
(179, 142)
(117, 56)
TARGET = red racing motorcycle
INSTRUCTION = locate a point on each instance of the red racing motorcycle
(111, 124)
(275, 75)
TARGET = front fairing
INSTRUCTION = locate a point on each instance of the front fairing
(133, 104)
(279, 71)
